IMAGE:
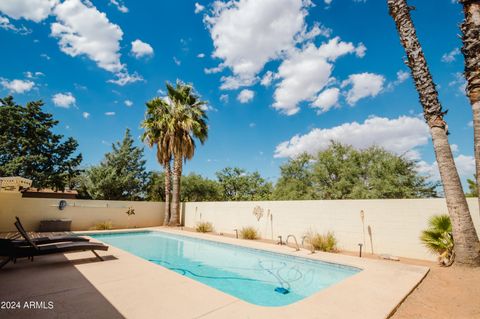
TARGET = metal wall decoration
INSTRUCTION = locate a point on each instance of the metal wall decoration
(258, 212)
(62, 204)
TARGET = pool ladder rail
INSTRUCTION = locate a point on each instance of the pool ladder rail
(312, 249)
(297, 248)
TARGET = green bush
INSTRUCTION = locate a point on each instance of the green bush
(103, 226)
(204, 227)
(249, 233)
(323, 242)
(439, 240)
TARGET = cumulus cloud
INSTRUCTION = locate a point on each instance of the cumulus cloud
(306, 72)
(326, 100)
(198, 8)
(84, 30)
(17, 86)
(268, 77)
(128, 103)
(451, 56)
(224, 98)
(65, 100)
(465, 167)
(34, 10)
(201, 55)
(401, 136)
(141, 49)
(247, 34)
(363, 85)
(86, 115)
(109, 113)
(245, 96)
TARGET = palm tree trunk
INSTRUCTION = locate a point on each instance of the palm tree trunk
(467, 245)
(471, 51)
(168, 185)
(177, 174)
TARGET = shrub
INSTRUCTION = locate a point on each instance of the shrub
(106, 225)
(249, 233)
(204, 227)
(439, 240)
(323, 242)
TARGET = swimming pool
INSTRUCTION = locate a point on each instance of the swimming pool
(256, 276)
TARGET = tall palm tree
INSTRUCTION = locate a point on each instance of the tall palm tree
(471, 51)
(188, 122)
(157, 125)
(467, 245)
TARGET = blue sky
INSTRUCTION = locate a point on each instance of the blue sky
(281, 76)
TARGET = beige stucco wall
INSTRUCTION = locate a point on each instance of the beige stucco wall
(395, 225)
(83, 213)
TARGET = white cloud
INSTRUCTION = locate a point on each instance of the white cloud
(119, 5)
(224, 98)
(177, 61)
(17, 86)
(327, 99)
(401, 136)
(465, 167)
(124, 78)
(247, 34)
(268, 77)
(7, 25)
(201, 55)
(360, 50)
(198, 8)
(128, 103)
(109, 113)
(45, 56)
(84, 30)
(86, 115)
(451, 56)
(363, 85)
(306, 72)
(35, 10)
(65, 100)
(460, 82)
(141, 49)
(245, 96)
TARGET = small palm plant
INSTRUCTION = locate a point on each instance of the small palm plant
(439, 240)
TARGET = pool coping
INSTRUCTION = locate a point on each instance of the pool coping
(374, 292)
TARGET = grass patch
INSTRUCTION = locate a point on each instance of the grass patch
(103, 226)
(204, 227)
(324, 242)
(249, 233)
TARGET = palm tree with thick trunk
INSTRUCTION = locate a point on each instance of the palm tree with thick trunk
(188, 123)
(471, 51)
(467, 245)
(157, 124)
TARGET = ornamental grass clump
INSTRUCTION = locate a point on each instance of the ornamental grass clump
(204, 227)
(326, 242)
(249, 233)
(103, 226)
(438, 239)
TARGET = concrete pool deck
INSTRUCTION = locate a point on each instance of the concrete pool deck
(125, 285)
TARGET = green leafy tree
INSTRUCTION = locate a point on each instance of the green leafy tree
(196, 188)
(296, 180)
(343, 172)
(156, 187)
(121, 175)
(238, 185)
(30, 149)
(472, 187)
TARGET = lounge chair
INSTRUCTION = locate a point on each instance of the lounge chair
(12, 251)
(45, 240)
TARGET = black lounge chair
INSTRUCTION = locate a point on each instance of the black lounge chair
(45, 240)
(12, 251)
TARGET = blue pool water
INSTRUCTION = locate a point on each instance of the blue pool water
(256, 276)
